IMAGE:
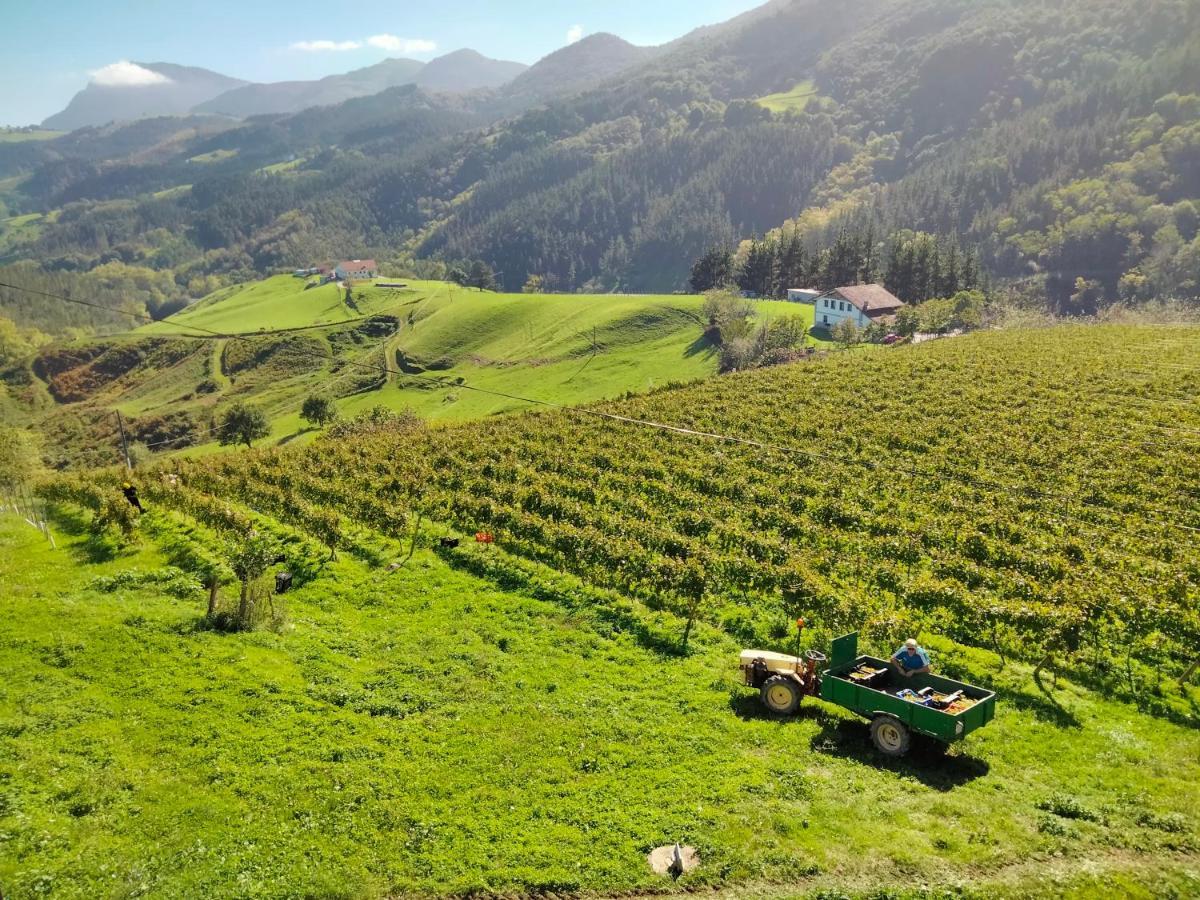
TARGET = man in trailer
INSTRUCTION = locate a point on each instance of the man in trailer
(911, 659)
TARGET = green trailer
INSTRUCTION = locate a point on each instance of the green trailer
(930, 705)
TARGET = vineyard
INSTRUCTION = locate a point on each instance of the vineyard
(424, 714)
(1033, 493)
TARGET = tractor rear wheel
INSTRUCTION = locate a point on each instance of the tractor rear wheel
(781, 695)
(891, 736)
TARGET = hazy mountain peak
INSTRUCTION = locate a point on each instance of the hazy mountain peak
(578, 66)
(467, 70)
(132, 90)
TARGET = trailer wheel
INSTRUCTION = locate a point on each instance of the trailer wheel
(891, 736)
(781, 695)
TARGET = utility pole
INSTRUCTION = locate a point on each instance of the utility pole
(124, 442)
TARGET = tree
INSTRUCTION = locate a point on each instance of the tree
(847, 334)
(728, 315)
(534, 284)
(249, 558)
(243, 424)
(908, 321)
(20, 458)
(757, 274)
(792, 266)
(712, 270)
(318, 410)
(481, 276)
(1087, 296)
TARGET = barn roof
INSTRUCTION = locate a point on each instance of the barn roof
(357, 264)
(872, 299)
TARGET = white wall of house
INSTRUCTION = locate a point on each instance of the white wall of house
(829, 311)
(354, 273)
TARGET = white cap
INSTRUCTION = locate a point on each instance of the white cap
(911, 642)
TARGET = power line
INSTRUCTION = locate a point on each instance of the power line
(645, 423)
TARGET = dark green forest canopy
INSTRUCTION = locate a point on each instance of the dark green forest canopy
(1057, 143)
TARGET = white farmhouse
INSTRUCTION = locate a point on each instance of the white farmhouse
(356, 268)
(863, 304)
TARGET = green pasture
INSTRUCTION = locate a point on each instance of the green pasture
(20, 137)
(430, 732)
(794, 100)
(457, 343)
(213, 156)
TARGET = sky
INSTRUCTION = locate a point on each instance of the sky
(52, 48)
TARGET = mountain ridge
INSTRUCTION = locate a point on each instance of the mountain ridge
(283, 97)
(466, 70)
(575, 67)
(99, 104)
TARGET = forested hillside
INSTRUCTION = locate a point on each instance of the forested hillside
(1057, 144)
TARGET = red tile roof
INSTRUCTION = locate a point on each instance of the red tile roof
(358, 264)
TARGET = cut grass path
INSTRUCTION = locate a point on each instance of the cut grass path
(429, 732)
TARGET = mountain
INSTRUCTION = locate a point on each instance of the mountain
(454, 73)
(467, 70)
(1054, 147)
(293, 96)
(175, 91)
(576, 67)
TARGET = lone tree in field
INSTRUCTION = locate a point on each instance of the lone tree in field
(243, 424)
(318, 411)
(249, 558)
(481, 276)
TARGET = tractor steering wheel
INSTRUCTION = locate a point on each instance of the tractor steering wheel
(815, 656)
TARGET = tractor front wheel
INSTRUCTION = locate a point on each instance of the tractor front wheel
(891, 736)
(781, 695)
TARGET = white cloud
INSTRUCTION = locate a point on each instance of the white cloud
(574, 33)
(394, 44)
(326, 46)
(127, 74)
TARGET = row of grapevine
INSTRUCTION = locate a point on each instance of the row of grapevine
(1037, 489)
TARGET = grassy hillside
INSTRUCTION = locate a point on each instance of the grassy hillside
(288, 341)
(284, 302)
(17, 137)
(430, 731)
(794, 100)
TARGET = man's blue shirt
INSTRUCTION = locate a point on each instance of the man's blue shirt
(918, 660)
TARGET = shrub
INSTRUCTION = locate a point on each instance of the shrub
(1067, 807)
(378, 420)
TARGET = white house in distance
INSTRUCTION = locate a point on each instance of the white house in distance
(802, 295)
(356, 268)
(863, 304)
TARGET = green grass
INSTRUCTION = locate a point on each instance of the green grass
(18, 137)
(430, 732)
(795, 100)
(17, 230)
(281, 167)
(213, 156)
(556, 348)
(283, 302)
(176, 191)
